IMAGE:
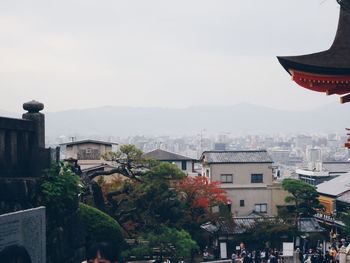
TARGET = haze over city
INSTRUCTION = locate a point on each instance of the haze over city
(83, 54)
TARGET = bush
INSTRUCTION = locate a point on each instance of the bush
(59, 191)
(100, 227)
(168, 242)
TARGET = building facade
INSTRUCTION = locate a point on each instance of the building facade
(247, 176)
(88, 152)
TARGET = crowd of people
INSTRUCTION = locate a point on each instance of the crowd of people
(257, 256)
(328, 255)
(312, 255)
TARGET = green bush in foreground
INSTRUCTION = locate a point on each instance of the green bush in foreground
(100, 227)
(164, 242)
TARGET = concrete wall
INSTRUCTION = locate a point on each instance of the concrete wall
(242, 173)
(73, 150)
(268, 192)
(278, 196)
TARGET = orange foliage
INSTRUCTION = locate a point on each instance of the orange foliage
(200, 193)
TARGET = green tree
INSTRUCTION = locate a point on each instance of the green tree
(100, 227)
(143, 206)
(165, 170)
(267, 230)
(345, 218)
(304, 198)
(128, 161)
(166, 243)
(59, 189)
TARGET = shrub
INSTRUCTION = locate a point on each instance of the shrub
(100, 227)
(59, 191)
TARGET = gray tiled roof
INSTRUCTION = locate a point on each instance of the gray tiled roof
(336, 186)
(345, 197)
(162, 155)
(309, 225)
(89, 141)
(337, 167)
(241, 224)
(260, 156)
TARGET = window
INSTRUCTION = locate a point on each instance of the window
(256, 178)
(261, 208)
(241, 203)
(183, 165)
(226, 178)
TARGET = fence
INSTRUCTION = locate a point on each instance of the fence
(22, 142)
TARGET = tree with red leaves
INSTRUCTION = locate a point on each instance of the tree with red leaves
(201, 196)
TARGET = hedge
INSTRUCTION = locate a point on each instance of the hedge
(100, 227)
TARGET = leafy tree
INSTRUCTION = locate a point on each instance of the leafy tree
(60, 188)
(266, 230)
(100, 227)
(345, 218)
(303, 196)
(165, 171)
(144, 205)
(128, 161)
(200, 196)
(166, 242)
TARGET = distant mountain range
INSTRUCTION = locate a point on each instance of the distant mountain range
(237, 119)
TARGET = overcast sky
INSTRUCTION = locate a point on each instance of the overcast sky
(80, 54)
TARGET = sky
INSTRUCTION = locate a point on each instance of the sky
(73, 54)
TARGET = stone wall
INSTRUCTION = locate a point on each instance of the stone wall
(22, 158)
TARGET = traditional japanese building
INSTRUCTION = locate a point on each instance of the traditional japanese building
(327, 71)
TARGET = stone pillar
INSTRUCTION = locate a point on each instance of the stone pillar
(34, 107)
(342, 255)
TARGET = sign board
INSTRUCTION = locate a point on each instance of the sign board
(26, 228)
(288, 249)
(223, 250)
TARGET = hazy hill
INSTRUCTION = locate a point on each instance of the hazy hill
(241, 118)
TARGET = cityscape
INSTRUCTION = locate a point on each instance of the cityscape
(160, 132)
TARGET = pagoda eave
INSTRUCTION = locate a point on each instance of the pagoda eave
(329, 84)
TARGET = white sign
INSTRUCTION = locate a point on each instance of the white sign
(288, 249)
(223, 250)
(26, 228)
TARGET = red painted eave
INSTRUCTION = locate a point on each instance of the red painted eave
(329, 84)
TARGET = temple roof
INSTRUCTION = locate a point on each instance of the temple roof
(216, 157)
(335, 60)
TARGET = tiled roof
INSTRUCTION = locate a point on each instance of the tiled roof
(241, 224)
(260, 156)
(336, 167)
(162, 155)
(345, 197)
(336, 186)
(309, 225)
(88, 141)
